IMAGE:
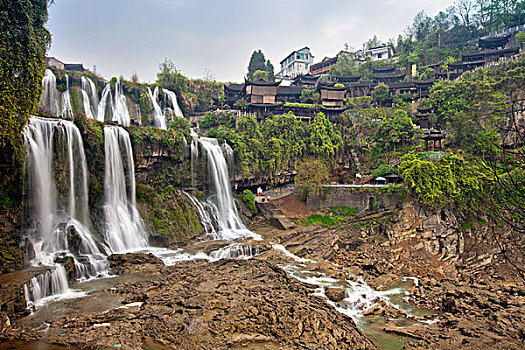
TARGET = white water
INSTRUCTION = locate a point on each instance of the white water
(116, 105)
(103, 104)
(67, 108)
(204, 210)
(50, 101)
(230, 225)
(159, 115)
(175, 105)
(89, 97)
(124, 228)
(58, 214)
(234, 252)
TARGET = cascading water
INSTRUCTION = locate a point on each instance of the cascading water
(116, 105)
(67, 108)
(89, 97)
(230, 225)
(203, 209)
(124, 228)
(103, 104)
(160, 117)
(59, 207)
(50, 102)
(120, 106)
(173, 99)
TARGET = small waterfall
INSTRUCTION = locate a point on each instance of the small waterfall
(49, 283)
(103, 104)
(230, 225)
(160, 117)
(89, 97)
(67, 108)
(173, 99)
(204, 210)
(194, 150)
(234, 252)
(117, 106)
(124, 228)
(120, 106)
(50, 102)
(58, 202)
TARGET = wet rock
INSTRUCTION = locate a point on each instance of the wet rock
(221, 305)
(135, 262)
(335, 294)
(5, 322)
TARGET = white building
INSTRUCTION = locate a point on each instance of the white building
(383, 53)
(296, 63)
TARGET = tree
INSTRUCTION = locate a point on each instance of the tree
(259, 63)
(374, 42)
(169, 77)
(381, 92)
(345, 65)
(323, 140)
(23, 43)
(241, 104)
(422, 25)
(260, 75)
(466, 8)
(312, 174)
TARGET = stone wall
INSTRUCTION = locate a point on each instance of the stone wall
(360, 198)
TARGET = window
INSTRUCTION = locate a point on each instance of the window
(379, 55)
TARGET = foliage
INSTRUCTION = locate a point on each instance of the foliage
(23, 43)
(383, 169)
(259, 63)
(212, 119)
(381, 92)
(260, 75)
(249, 199)
(307, 95)
(335, 215)
(323, 141)
(312, 174)
(452, 181)
(396, 129)
(241, 104)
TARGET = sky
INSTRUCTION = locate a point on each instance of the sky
(121, 37)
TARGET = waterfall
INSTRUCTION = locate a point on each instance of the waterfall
(160, 117)
(124, 228)
(120, 106)
(204, 210)
(58, 202)
(116, 105)
(102, 105)
(67, 108)
(89, 97)
(173, 99)
(230, 225)
(50, 102)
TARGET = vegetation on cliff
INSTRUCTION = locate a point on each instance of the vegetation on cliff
(23, 43)
(276, 144)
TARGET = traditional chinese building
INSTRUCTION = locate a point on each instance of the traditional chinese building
(232, 93)
(307, 81)
(433, 138)
(289, 94)
(324, 66)
(332, 96)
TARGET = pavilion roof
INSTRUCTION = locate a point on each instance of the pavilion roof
(261, 82)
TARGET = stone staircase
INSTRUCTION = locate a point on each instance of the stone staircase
(276, 216)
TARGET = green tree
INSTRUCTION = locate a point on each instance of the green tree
(346, 65)
(312, 174)
(381, 92)
(169, 77)
(395, 130)
(260, 75)
(23, 44)
(323, 140)
(259, 63)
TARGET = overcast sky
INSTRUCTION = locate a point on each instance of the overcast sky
(125, 36)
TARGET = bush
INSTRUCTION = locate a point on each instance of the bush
(249, 199)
